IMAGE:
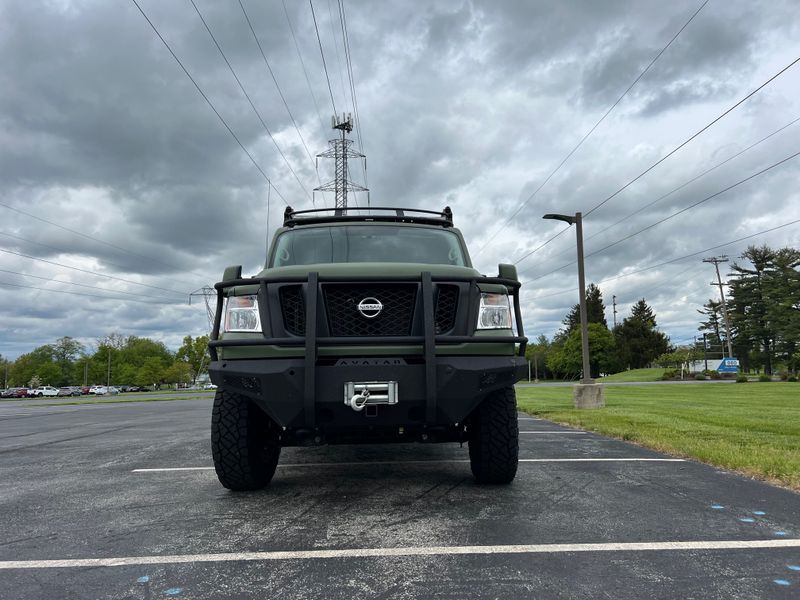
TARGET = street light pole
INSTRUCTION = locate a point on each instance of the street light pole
(587, 373)
(588, 394)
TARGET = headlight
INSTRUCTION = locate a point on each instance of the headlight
(241, 314)
(494, 312)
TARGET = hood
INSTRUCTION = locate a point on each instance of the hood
(381, 270)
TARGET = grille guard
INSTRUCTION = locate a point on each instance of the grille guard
(312, 341)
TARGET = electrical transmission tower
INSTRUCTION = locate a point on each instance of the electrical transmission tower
(340, 150)
(207, 292)
(715, 260)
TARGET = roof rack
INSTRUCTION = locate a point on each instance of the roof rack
(387, 214)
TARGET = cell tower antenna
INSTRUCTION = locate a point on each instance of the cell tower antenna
(340, 151)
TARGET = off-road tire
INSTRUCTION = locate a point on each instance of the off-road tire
(493, 438)
(244, 443)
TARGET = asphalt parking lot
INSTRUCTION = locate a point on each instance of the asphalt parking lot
(119, 501)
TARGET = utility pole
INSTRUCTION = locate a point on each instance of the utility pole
(340, 151)
(108, 379)
(705, 352)
(715, 260)
(614, 302)
(86, 373)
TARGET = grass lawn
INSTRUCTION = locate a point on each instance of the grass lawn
(635, 375)
(752, 428)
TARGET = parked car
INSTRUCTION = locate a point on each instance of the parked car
(85, 389)
(98, 390)
(112, 390)
(9, 393)
(69, 391)
(209, 386)
(22, 392)
(44, 390)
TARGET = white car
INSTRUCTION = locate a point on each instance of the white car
(98, 390)
(44, 390)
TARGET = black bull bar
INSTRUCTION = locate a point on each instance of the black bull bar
(312, 341)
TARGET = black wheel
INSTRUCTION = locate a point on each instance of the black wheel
(244, 443)
(493, 436)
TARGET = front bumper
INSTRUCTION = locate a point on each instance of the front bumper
(278, 387)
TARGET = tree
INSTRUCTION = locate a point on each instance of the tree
(194, 352)
(150, 373)
(595, 310)
(568, 359)
(65, 351)
(749, 310)
(38, 363)
(713, 325)
(178, 372)
(638, 340)
(537, 353)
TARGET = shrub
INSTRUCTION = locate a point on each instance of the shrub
(791, 378)
(700, 377)
(783, 375)
(741, 378)
(715, 375)
(670, 374)
(764, 378)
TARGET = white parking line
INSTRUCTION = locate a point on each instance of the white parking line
(419, 462)
(123, 561)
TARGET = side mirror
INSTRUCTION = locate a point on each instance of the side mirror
(507, 272)
(232, 272)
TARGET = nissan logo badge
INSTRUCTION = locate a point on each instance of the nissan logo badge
(370, 307)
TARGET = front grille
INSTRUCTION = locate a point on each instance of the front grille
(345, 320)
(444, 311)
(293, 309)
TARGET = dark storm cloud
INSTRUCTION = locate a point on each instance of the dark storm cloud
(466, 103)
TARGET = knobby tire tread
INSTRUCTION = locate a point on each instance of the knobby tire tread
(494, 438)
(244, 458)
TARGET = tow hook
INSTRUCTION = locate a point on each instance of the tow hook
(359, 401)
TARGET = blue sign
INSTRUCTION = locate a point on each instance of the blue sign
(728, 365)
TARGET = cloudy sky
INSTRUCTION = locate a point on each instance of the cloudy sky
(121, 191)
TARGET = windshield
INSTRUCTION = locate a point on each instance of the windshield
(368, 243)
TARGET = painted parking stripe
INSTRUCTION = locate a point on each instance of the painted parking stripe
(123, 561)
(420, 462)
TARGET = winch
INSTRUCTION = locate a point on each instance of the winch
(358, 394)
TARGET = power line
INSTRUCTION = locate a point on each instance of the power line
(692, 180)
(336, 49)
(595, 126)
(692, 137)
(675, 214)
(252, 105)
(348, 58)
(51, 262)
(322, 54)
(274, 80)
(31, 287)
(83, 285)
(66, 251)
(674, 260)
(210, 104)
(84, 235)
(303, 64)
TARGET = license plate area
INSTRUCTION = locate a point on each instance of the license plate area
(379, 392)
